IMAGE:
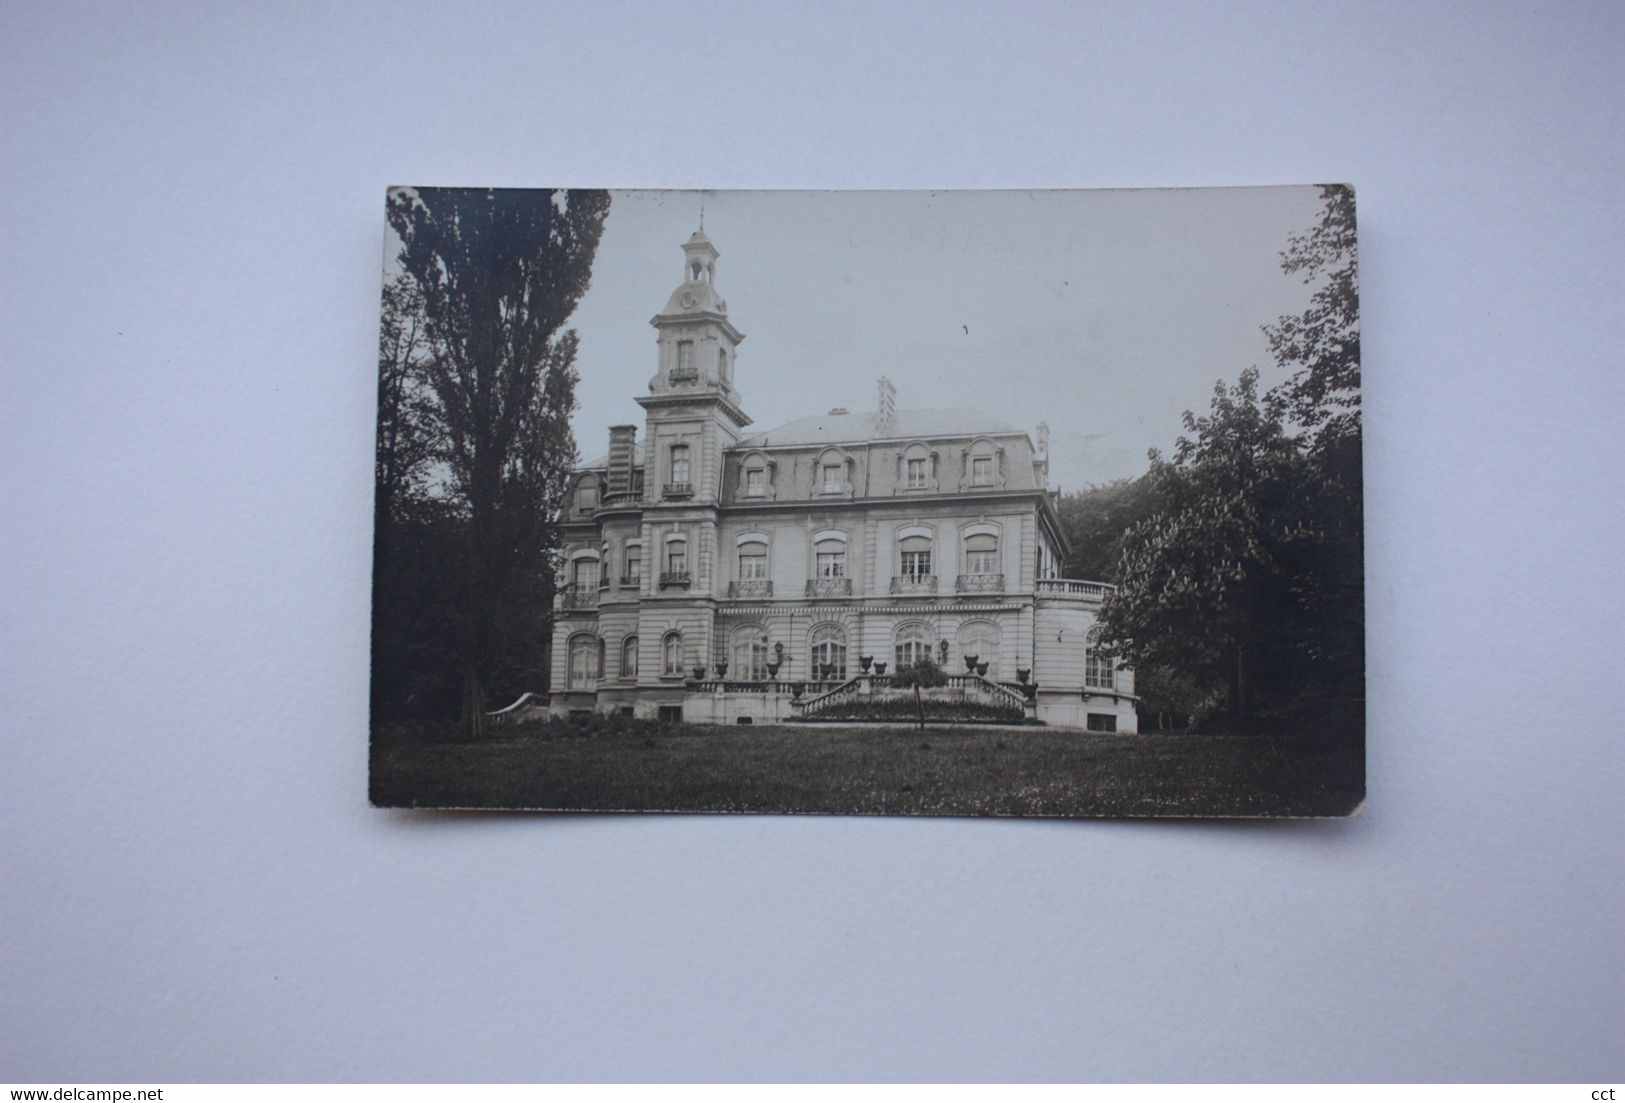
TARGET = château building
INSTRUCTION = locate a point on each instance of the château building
(722, 575)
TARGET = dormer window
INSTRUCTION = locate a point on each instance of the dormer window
(755, 482)
(916, 473)
(832, 480)
(587, 495)
(981, 470)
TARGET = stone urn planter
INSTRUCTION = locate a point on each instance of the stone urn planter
(699, 674)
(773, 669)
(867, 661)
(1023, 673)
(970, 664)
(722, 670)
(796, 690)
(981, 669)
(880, 668)
(1031, 690)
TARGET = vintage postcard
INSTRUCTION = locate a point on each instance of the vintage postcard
(1013, 503)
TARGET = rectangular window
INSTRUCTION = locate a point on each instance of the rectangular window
(916, 473)
(832, 478)
(755, 481)
(634, 564)
(679, 463)
(1102, 722)
(832, 564)
(685, 361)
(582, 576)
(677, 560)
(1097, 671)
(752, 562)
(916, 564)
(981, 470)
(982, 562)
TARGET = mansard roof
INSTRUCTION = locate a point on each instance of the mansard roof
(865, 426)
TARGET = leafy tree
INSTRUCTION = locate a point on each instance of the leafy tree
(1096, 519)
(1322, 344)
(924, 674)
(1202, 588)
(499, 272)
(405, 442)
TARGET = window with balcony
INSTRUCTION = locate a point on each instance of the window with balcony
(685, 371)
(634, 565)
(982, 554)
(671, 655)
(679, 465)
(831, 560)
(752, 562)
(584, 576)
(677, 559)
(916, 562)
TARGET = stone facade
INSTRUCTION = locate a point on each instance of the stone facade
(722, 575)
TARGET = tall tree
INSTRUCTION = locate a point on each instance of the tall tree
(500, 273)
(1322, 345)
(405, 442)
(1202, 588)
(1096, 519)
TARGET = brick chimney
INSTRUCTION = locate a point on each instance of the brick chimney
(622, 446)
(888, 404)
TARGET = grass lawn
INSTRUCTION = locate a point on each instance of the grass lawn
(830, 768)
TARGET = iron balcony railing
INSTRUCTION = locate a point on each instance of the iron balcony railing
(677, 490)
(674, 580)
(979, 583)
(829, 587)
(751, 588)
(914, 584)
(578, 599)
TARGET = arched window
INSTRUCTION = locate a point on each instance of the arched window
(916, 561)
(980, 640)
(629, 657)
(671, 651)
(829, 652)
(583, 662)
(750, 653)
(982, 553)
(752, 560)
(913, 644)
(1098, 671)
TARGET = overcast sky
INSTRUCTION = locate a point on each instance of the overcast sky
(1104, 313)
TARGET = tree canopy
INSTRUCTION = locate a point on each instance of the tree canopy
(475, 448)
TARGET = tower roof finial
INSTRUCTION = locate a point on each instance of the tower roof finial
(702, 218)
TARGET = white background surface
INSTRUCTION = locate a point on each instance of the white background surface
(194, 886)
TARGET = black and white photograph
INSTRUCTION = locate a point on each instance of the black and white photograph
(1037, 503)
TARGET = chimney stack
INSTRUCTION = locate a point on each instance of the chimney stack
(888, 404)
(622, 445)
